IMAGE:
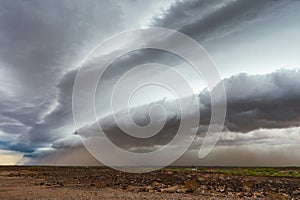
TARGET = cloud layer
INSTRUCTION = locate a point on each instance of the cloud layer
(42, 44)
(261, 101)
(263, 109)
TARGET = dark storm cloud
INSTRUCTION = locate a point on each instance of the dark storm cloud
(254, 102)
(47, 130)
(198, 19)
(39, 38)
(256, 109)
(39, 42)
(140, 116)
(261, 101)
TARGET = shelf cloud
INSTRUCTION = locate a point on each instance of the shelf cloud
(253, 43)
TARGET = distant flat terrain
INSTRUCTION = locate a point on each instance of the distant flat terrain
(170, 183)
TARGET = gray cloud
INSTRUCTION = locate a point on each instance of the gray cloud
(202, 19)
(42, 42)
(261, 101)
(39, 38)
(47, 39)
(254, 102)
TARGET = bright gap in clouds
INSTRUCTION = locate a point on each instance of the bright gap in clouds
(149, 93)
(9, 157)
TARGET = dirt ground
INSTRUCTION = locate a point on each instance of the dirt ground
(103, 183)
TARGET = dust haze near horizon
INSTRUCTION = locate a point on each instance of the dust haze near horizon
(255, 45)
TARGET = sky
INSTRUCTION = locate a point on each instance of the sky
(254, 45)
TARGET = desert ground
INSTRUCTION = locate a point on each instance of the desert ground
(42, 182)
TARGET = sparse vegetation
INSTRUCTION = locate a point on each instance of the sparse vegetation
(280, 172)
(198, 182)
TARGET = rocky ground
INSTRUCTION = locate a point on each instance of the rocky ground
(175, 183)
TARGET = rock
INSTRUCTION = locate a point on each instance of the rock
(221, 188)
(230, 189)
(296, 193)
(59, 183)
(155, 184)
(172, 189)
(143, 190)
(258, 195)
(273, 189)
(246, 189)
(281, 190)
(203, 187)
(185, 190)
